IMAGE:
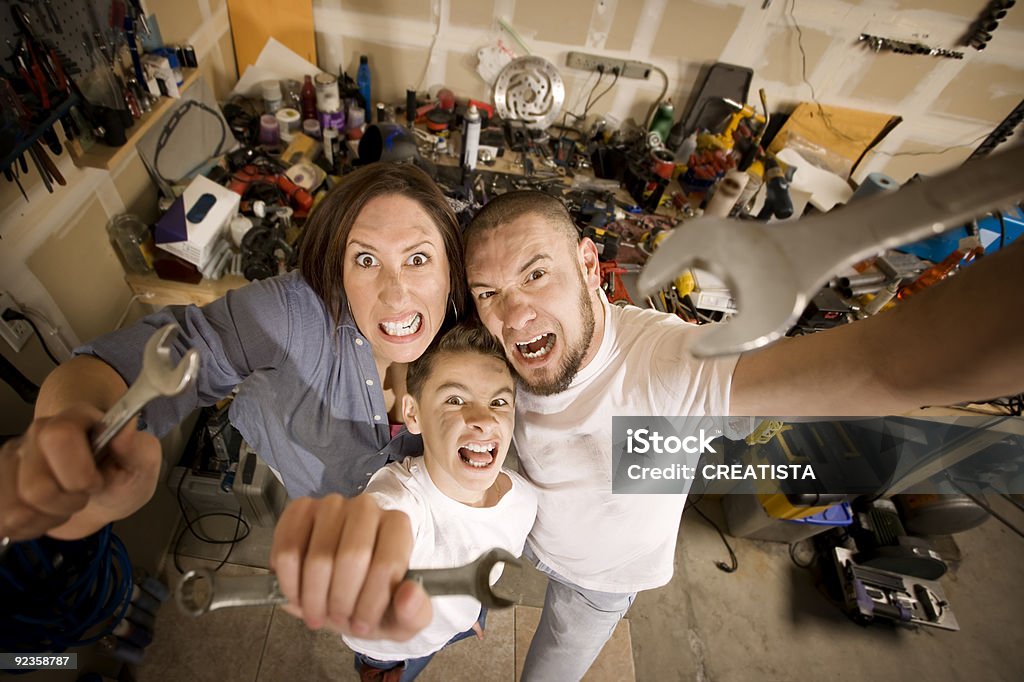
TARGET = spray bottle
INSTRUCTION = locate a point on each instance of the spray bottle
(471, 137)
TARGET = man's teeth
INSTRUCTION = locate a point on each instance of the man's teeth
(541, 352)
(478, 448)
(409, 325)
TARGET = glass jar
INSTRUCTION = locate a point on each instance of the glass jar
(132, 242)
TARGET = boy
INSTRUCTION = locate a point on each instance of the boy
(460, 502)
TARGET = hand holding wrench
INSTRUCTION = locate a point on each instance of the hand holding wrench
(201, 591)
(159, 377)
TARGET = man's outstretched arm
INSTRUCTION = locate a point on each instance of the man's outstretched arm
(960, 340)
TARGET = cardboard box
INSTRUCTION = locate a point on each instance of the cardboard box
(195, 240)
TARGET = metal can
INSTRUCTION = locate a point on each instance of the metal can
(327, 96)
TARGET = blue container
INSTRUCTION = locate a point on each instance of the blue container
(363, 82)
(938, 247)
(836, 515)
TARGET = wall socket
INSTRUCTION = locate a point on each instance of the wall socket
(628, 68)
(16, 332)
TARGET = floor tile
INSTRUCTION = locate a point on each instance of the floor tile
(221, 646)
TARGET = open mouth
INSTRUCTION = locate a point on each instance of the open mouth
(406, 327)
(537, 347)
(478, 455)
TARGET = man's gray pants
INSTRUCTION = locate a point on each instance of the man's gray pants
(573, 628)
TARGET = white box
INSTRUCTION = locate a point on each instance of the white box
(196, 241)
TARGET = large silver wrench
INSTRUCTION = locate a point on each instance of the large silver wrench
(159, 377)
(201, 591)
(773, 271)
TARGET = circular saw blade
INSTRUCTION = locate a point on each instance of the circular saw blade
(529, 89)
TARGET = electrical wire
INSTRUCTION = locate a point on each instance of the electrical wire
(63, 594)
(590, 105)
(721, 565)
(53, 333)
(202, 537)
(11, 314)
(430, 53)
(825, 118)
(657, 102)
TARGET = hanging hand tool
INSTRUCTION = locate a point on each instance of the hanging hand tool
(54, 21)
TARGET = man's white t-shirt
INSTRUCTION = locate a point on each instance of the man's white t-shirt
(445, 534)
(596, 539)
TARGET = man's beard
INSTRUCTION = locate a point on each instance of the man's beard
(573, 356)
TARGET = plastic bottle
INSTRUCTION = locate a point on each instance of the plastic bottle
(471, 137)
(308, 97)
(662, 122)
(363, 81)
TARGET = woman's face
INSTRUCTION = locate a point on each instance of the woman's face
(396, 277)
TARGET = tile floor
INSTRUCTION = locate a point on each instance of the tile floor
(767, 622)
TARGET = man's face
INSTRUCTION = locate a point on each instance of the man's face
(465, 412)
(533, 291)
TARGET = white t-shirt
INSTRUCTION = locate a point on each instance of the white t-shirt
(445, 534)
(598, 540)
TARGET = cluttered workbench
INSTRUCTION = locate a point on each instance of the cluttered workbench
(628, 186)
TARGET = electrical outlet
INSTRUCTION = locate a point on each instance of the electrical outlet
(628, 68)
(15, 332)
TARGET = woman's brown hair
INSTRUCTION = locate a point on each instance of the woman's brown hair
(322, 247)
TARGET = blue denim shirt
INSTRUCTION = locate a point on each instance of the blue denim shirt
(309, 400)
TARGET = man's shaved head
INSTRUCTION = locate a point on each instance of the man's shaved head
(507, 207)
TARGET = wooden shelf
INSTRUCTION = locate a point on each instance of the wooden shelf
(106, 158)
(161, 292)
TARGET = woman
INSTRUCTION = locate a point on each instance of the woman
(318, 356)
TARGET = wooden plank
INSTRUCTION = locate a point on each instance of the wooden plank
(160, 292)
(254, 21)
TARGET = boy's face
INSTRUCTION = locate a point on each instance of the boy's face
(465, 413)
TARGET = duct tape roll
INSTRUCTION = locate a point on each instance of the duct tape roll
(290, 120)
(875, 183)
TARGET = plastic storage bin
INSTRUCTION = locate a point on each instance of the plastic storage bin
(746, 518)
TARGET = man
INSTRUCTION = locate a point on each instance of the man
(580, 361)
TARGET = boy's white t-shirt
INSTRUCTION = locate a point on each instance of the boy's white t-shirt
(597, 539)
(445, 534)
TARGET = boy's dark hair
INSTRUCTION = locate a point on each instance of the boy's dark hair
(469, 336)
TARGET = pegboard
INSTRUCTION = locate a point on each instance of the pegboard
(79, 20)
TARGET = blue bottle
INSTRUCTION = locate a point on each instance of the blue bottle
(363, 81)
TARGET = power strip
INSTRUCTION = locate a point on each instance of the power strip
(627, 68)
(15, 332)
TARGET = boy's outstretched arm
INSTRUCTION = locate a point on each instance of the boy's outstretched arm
(341, 562)
(958, 341)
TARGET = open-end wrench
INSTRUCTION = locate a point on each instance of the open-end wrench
(159, 377)
(201, 591)
(774, 270)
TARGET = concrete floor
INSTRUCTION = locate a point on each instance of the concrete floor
(765, 622)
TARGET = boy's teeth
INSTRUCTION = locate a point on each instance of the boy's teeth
(477, 448)
(409, 325)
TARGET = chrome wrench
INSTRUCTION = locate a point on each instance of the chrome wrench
(774, 270)
(201, 591)
(159, 377)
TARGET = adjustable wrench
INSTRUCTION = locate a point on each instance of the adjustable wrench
(201, 591)
(774, 270)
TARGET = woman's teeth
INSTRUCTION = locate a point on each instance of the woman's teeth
(534, 348)
(409, 325)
